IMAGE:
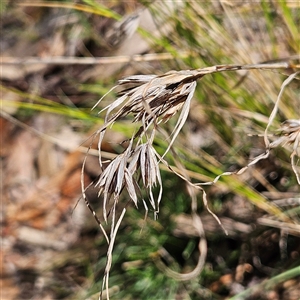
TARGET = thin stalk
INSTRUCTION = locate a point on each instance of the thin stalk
(266, 285)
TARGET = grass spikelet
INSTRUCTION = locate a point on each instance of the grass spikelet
(112, 180)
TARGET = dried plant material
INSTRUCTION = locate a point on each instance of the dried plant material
(290, 135)
(202, 247)
(290, 228)
(275, 109)
(290, 130)
(184, 226)
(112, 179)
(152, 100)
(123, 29)
(144, 158)
(74, 60)
(114, 230)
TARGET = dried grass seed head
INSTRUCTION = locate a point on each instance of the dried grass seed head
(128, 170)
(152, 98)
(291, 129)
(164, 95)
(289, 134)
(115, 177)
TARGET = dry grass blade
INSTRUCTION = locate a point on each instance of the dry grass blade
(114, 230)
(290, 134)
(197, 186)
(84, 196)
(202, 247)
(293, 229)
(275, 109)
(290, 130)
(197, 224)
(74, 60)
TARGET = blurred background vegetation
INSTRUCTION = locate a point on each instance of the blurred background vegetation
(58, 59)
